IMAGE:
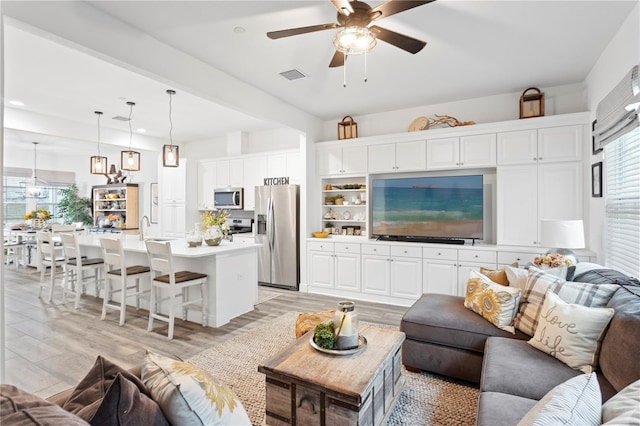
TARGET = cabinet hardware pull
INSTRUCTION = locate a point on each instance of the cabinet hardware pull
(310, 401)
(439, 254)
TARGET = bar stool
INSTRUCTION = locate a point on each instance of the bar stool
(165, 277)
(116, 269)
(74, 267)
(48, 257)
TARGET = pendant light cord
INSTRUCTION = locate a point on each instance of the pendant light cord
(171, 93)
(35, 155)
(98, 113)
(131, 104)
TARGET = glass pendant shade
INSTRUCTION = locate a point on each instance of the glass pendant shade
(130, 160)
(354, 41)
(98, 165)
(170, 153)
(34, 187)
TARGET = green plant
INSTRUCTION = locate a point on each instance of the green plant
(329, 225)
(337, 197)
(74, 208)
(324, 335)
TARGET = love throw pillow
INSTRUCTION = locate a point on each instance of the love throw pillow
(571, 333)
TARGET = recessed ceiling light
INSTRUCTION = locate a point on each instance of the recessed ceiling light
(239, 30)
(142, 130)
(17, 103)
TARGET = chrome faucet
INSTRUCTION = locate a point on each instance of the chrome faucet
(142, 226)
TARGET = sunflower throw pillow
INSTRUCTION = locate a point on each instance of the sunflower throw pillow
(190, 396)
(496, 303)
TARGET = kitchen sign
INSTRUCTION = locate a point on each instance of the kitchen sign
(276, 181)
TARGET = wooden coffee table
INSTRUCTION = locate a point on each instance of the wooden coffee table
(308, 387)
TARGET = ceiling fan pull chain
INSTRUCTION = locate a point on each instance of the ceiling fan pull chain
(344, 71)
(365, 67)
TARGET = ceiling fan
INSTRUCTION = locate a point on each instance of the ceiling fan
(354, 17)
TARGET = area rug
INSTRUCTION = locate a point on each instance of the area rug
(264, 295)
(426, 399)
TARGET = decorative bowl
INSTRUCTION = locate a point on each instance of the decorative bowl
(320, 234)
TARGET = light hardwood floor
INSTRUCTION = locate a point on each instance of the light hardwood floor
(50, 347)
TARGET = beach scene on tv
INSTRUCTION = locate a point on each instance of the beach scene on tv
(438, 207)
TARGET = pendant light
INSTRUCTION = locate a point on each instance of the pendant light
(170, 153)
(130, 160)
(98, 162)
(34, 187)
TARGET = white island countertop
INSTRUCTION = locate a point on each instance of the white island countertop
(231, 268)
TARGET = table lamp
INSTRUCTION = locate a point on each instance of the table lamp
(564, 235)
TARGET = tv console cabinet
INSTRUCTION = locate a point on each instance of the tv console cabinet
(399, 273)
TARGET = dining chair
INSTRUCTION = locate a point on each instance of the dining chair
(48, 258)
(75, 266)
(117, 270)
(165, 277)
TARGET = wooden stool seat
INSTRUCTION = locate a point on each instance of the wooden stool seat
(132, 270)
(181, 277)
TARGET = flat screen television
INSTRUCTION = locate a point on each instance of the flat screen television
(423, 208)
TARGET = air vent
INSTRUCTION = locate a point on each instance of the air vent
(121, 118)
(293, 74)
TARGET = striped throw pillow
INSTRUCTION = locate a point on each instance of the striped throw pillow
(539, 282)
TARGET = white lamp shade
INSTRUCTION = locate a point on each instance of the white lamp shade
(562, 233)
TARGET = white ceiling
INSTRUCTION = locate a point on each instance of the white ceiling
(474, 49)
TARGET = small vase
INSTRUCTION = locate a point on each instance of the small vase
(194, 238)
(213, 236)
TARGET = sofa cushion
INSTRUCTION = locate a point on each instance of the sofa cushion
(575, 402)
(18, 407)
(502, 409)
(443, 319)
(496, 303)
(606, 276)
(571, 333)
(619, 351)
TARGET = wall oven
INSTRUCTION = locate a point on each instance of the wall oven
(228, 198)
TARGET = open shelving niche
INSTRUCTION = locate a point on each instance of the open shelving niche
(358, 213)
(116, 199)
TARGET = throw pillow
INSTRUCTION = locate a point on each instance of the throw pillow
(624, 407)
(18, 407)
(571, 333)
(190, 396)
(538, 282)
(517, 277)
(91, 394)
(498, 276)
(576, 402)
(496, 303)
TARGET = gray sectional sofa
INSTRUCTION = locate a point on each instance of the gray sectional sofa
(444, 337)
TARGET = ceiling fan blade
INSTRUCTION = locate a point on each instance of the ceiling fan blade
(343, 7)
(337, 60)
(302, 30)
(410, 44)
(391, 7)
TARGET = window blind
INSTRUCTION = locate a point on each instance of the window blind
(622, 203)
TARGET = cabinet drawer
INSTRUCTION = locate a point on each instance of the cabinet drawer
(508, 257)
(402, 251)
(477, 256)
(380, 249)
(439, 253)
(320, 246)
(347, 248)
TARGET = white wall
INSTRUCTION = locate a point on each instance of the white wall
(620, 55)
(558, 100)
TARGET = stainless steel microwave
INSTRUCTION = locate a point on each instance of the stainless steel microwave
(228, 198)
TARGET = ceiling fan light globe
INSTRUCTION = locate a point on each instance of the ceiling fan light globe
(354, 41)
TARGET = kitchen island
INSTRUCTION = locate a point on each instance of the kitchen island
(231, 267)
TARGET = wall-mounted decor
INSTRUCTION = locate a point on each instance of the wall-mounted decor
(449, 121)
(594, 147)
(347, 128)
(154, 202)
(532, 104)
(596, 179)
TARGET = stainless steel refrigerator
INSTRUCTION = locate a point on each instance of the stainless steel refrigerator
(277, 229)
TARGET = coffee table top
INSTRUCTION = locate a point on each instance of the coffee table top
(350, 375)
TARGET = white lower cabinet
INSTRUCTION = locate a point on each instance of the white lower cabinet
(440, 270)
(335, 265)
(172, 220)
(392, 271)
(321, 268)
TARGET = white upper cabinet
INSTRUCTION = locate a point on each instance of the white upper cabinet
(463, 151)
(293, 167)
(397, 157)
(254, 171)
(173, 184)
(336, 160)
(206, 183)
(552, 144)
(229, 173)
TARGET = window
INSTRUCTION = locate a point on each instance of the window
(622, 203)
(15, 205)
